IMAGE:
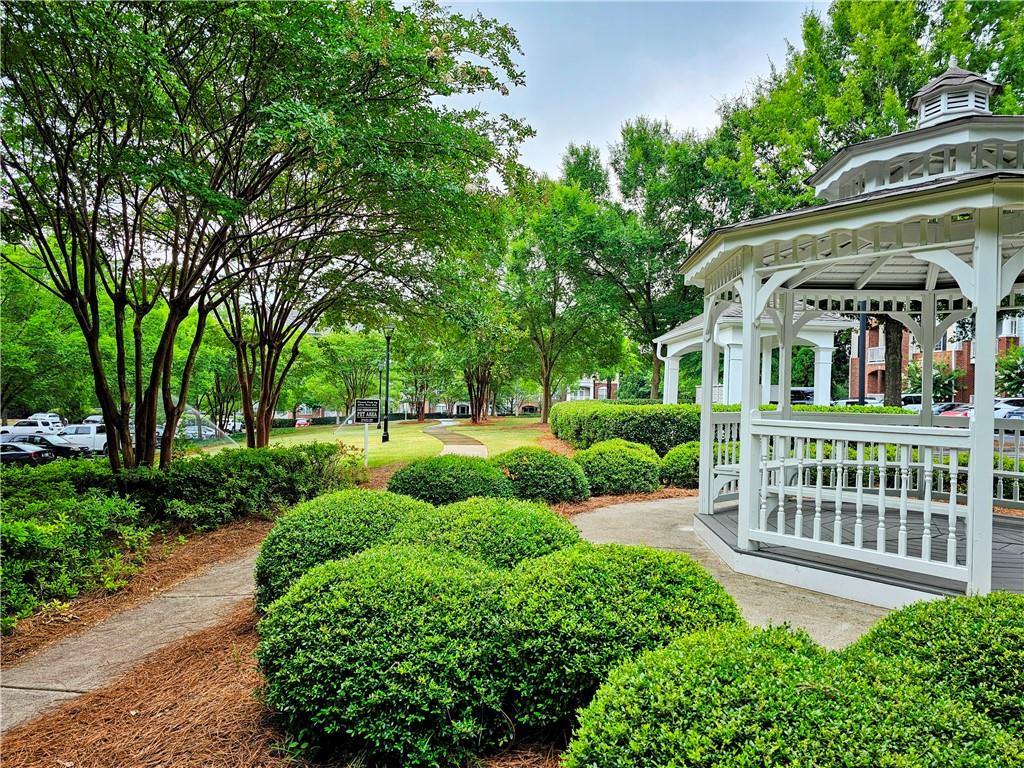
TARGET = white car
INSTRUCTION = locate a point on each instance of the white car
(96, 418)
(32, 427)
(1006, 404)
(53, 418)
(92, 437)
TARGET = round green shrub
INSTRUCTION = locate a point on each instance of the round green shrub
(391, 653)
(328, 527)
(736, 697)
(498, 532)
(969, 647)
(576, 613)
(615, 467)
(681, 466)
(446, 479)
(542, 475)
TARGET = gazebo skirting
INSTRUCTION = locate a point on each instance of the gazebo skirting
(871, 507)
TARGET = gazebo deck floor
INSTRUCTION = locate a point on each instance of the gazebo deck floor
(1007, 547)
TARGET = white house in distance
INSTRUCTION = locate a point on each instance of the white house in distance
(925, 226)
(814, 329)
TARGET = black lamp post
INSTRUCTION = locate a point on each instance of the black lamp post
(380, 389)
(389, 329)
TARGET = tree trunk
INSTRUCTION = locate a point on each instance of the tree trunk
(655, 374)
(608, 391)
(893, 361)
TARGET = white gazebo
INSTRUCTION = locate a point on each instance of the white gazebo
(813, 329)
(926, 226)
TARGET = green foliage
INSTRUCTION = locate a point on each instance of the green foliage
(944, 380)
(736, 697)
(391, 652)
(970, 648)
(1010, 372)
(681, 466)
(329, 527)
(618, 466)
(576, 613)
(64, 543)
(581, 423)
(446, 479)
(498, 532)
(541, 475)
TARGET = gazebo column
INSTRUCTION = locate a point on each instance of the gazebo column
(980, 476)
(766, 371)
(733, 385)
(708, 375)
(823, 375)
(750, 391)
(786, 354)
(670, 386)
(927, 342)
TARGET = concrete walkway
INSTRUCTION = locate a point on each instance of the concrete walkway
(97, 656)
(462, 445)
(668, 524)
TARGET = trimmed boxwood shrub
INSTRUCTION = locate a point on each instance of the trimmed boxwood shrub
(617, 466)
(734, 698)
(328, 527)
(391, 652)
(498, 532)
(969, 647)
(446, 479)
(576, 613)
(542, 475)
(581, 423)
(681, 466)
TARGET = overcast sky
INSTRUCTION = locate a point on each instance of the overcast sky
(591, 65)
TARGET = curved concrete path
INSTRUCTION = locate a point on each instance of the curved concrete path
(668, 524)
(462, 445)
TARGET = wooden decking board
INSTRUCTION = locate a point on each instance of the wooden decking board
(1007, 547)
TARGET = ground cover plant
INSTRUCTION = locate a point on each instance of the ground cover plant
(618, 467)
(391, 652)
(498, 532)
(576, 613)
(329, 527)
(681, 466)
(740, 697)
(968, 647)
(541, 475)
(451, 478)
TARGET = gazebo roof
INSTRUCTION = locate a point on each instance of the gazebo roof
(733, 315)
(953, 77)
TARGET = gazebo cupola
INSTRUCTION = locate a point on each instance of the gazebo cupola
(956, 135)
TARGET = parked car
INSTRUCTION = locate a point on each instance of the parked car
(1014, 414)
(801, 396)
(21, 454)
(943, 409)
(961, 410)
(191, 432)
(303, 422)
(92, 437)
(868, 400)
(61, 446)
(1006, 404)
(32, 427)
(50, 416)
(95, 418)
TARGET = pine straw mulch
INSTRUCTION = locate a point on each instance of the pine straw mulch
(189, 704)
(166, 564)
(570, 509)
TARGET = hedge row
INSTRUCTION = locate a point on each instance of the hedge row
(71, 526)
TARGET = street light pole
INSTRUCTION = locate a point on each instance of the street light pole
(380, 385)
(389, 329)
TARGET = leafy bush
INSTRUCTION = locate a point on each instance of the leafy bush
(56, 480)
(681, 466)
(328, 527)
(57, 548)
(581, 423)
(735, 697)
(618, 466)
(446, 479)
(542, 475)
(498, 532)
(576, 613)
(392, 651)
(969, 647)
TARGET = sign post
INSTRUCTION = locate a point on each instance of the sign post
(367, 413)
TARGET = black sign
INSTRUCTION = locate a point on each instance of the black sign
(367, 411)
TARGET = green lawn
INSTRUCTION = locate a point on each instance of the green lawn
(504, 434)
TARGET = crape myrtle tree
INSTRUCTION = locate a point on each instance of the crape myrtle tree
(138, 136)
(570, 319)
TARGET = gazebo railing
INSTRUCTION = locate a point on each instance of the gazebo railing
(725, 454)
(892, 496)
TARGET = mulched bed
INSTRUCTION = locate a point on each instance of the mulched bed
(189, 704)
(167, 563)
(569, 509)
